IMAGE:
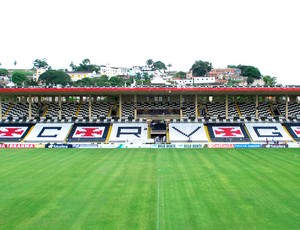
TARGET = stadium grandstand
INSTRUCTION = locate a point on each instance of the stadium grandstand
(150, 116)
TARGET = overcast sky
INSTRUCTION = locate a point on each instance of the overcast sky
(261, 33)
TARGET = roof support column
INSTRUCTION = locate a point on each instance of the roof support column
(59, 107)
(135, 106)
(90, 107)
(180, 106)
(120, 106)
(256, 106)
(226, 106)
(286, 106)
(196, 106)
(30, 107)
(0, 108)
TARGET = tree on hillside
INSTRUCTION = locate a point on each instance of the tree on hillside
(138, 76)
(149, 63)
(250, 71)
(201, 68)
(250, 80)
(116, 81)
(41, 63)
(247, 71)
(270, 81)
(232, 66)
(96, 81)
(85, 65)
(102, 81)
(19, 78)
(232, 82)
(86, 61)
(3, 72)
(85, 82)
(157, 65)
(181, 74)
(55, 77)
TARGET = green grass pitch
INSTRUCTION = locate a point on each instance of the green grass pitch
(150, 189)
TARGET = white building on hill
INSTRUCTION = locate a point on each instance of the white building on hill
(113, 71)
(196, 81)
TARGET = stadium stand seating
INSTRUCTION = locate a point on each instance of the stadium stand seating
(83, 109)
(158, 108)
(5, 107)
(294, 109)
(218, 109)
(248, 109)
(52, 109)
(69, 109)
(20, 110)
(101, 109)
(128, 109)
(188, 109)
(240, 126)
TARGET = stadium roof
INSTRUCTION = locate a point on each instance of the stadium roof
(108, 91)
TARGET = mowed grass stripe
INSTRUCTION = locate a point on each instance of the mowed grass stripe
(222, 198)
(267, 194)
(15, 161)
(117, 189)
(41, 186)
(269, 163)
(194, 192)
(226, 191)
(183, 203)
(61, 192)
(27, 176)
(98, 205)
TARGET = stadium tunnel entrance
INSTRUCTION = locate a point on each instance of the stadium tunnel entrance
(158, 131)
